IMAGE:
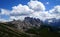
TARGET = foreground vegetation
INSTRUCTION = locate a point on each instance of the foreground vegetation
(6, 31)
(44, 32)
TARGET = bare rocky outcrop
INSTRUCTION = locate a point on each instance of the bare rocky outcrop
(27, 23)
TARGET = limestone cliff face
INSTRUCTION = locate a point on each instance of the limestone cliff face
(27, 23)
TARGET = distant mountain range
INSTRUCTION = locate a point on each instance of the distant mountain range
(53, 22)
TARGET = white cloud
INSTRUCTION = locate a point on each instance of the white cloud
(33, 0)
(55, 12)
(50, 21)
(4, 20)
(36, 5)
(17, 17)
(5, 12)
(56, 9)
(47, 3)
(21, 9)
(33, 9)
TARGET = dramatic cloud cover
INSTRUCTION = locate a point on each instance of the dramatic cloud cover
(36, 5)
(55, 12)
(33, 9)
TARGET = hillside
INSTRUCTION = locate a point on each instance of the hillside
(30, 27)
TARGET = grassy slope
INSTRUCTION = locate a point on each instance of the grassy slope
(11, 32)
(6, 31)
(43, 32)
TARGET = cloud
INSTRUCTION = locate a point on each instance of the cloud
(47, 3)
(33, 9)
(27, 10)
(21, 10)
(4, 20)
(50, 21)
(17, 17)
(5, 12)
(36, 5)
(55, 12)
(33, 0)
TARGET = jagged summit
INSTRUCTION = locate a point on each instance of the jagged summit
(27, 23)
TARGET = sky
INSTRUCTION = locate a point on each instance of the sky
(19, 9)
(8, 4)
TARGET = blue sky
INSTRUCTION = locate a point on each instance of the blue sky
(45, 8)
(8, 4)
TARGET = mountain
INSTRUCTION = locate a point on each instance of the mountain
(53, 22)
(29, 27)
(27, 23)
(6, 31)
(33, 21)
